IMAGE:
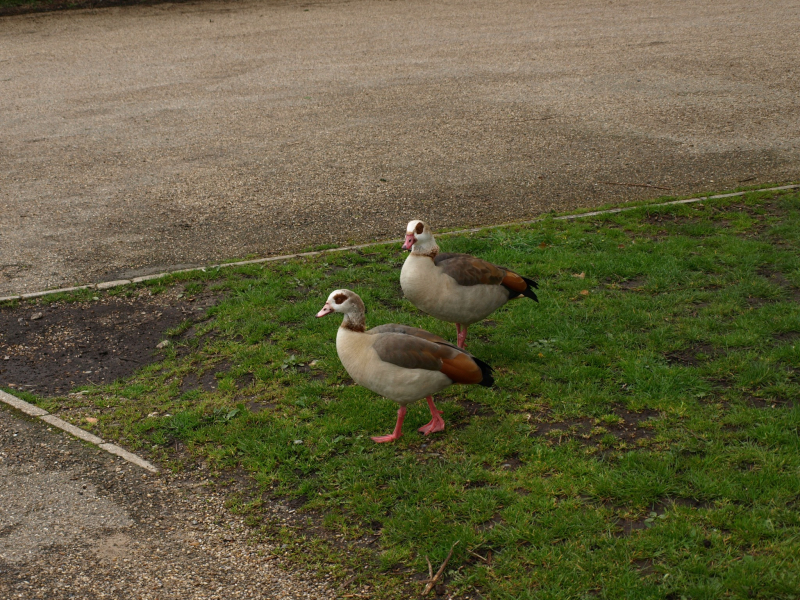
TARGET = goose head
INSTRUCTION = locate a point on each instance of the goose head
(347, 303)
(419, 238)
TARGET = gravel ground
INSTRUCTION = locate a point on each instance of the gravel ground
(139, 138)
(76, 522)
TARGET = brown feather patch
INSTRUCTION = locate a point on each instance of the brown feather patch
(339, 298)
(468, 270)
(420, 228)
(462, 369)
(514, 282)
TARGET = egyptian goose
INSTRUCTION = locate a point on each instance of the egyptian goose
(398, 362)
(457, 288)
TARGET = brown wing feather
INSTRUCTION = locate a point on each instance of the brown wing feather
(412, 352)
(468, 270)
(413, 331)
(413, 348)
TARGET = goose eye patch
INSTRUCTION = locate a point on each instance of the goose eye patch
(339, 298)
(420, 227)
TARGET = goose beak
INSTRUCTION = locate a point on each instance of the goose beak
(326, 310)
(410, 241)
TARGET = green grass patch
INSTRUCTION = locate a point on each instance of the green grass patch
(641, 440)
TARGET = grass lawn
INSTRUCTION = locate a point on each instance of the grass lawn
(641, 440)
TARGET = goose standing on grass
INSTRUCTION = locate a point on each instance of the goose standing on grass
(398, 362)
(457, 288)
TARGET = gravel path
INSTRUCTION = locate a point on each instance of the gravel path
(76, 522)
(135, 139)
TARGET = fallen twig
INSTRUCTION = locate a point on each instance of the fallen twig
(644, 185)
(433, 580)
(479, 557)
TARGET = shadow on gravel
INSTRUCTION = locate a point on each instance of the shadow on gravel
(20, 7)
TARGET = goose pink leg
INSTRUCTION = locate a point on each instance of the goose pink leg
(462, 335)
(437, 423)
(398, 428)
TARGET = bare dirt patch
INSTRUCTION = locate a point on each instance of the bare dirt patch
(768, 403)
(787, 337)
(472, 408)
(49, 349)
(628, 427)
(634, 284)
(207, 380)
(691, 356)
(629, 525)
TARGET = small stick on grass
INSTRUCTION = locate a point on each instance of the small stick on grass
(433, 580)
(644, 185)
(479, 557)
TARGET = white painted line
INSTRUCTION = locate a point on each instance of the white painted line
(70, 428)
(35, 411)
(256, 261)
(26, 407)
(129, 456)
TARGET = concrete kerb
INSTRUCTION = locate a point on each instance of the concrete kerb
(105, 285)
(53, 421)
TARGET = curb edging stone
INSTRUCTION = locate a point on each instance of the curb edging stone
(54, 421)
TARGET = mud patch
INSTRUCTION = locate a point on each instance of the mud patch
(692, 356)
(512, 463)
(787, 337)
(208, 381)
(490, 523)
(768, 403)
(627, 526)
(473, 408)
(632, 285)
(620, 426)
(643, 566)
(667, 217)
(53, 348)
(257, 407)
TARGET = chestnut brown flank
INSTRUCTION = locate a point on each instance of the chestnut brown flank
(514, 282)
(462, 369)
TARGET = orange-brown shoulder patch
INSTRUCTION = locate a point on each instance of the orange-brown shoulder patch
(462, 369)
(514, 282)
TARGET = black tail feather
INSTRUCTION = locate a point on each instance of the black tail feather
(528, 292)
(486, 371)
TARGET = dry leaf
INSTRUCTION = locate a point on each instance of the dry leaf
(621, 246)
(543, 245)
(91, 420)
(584, 292)
(579, 275)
